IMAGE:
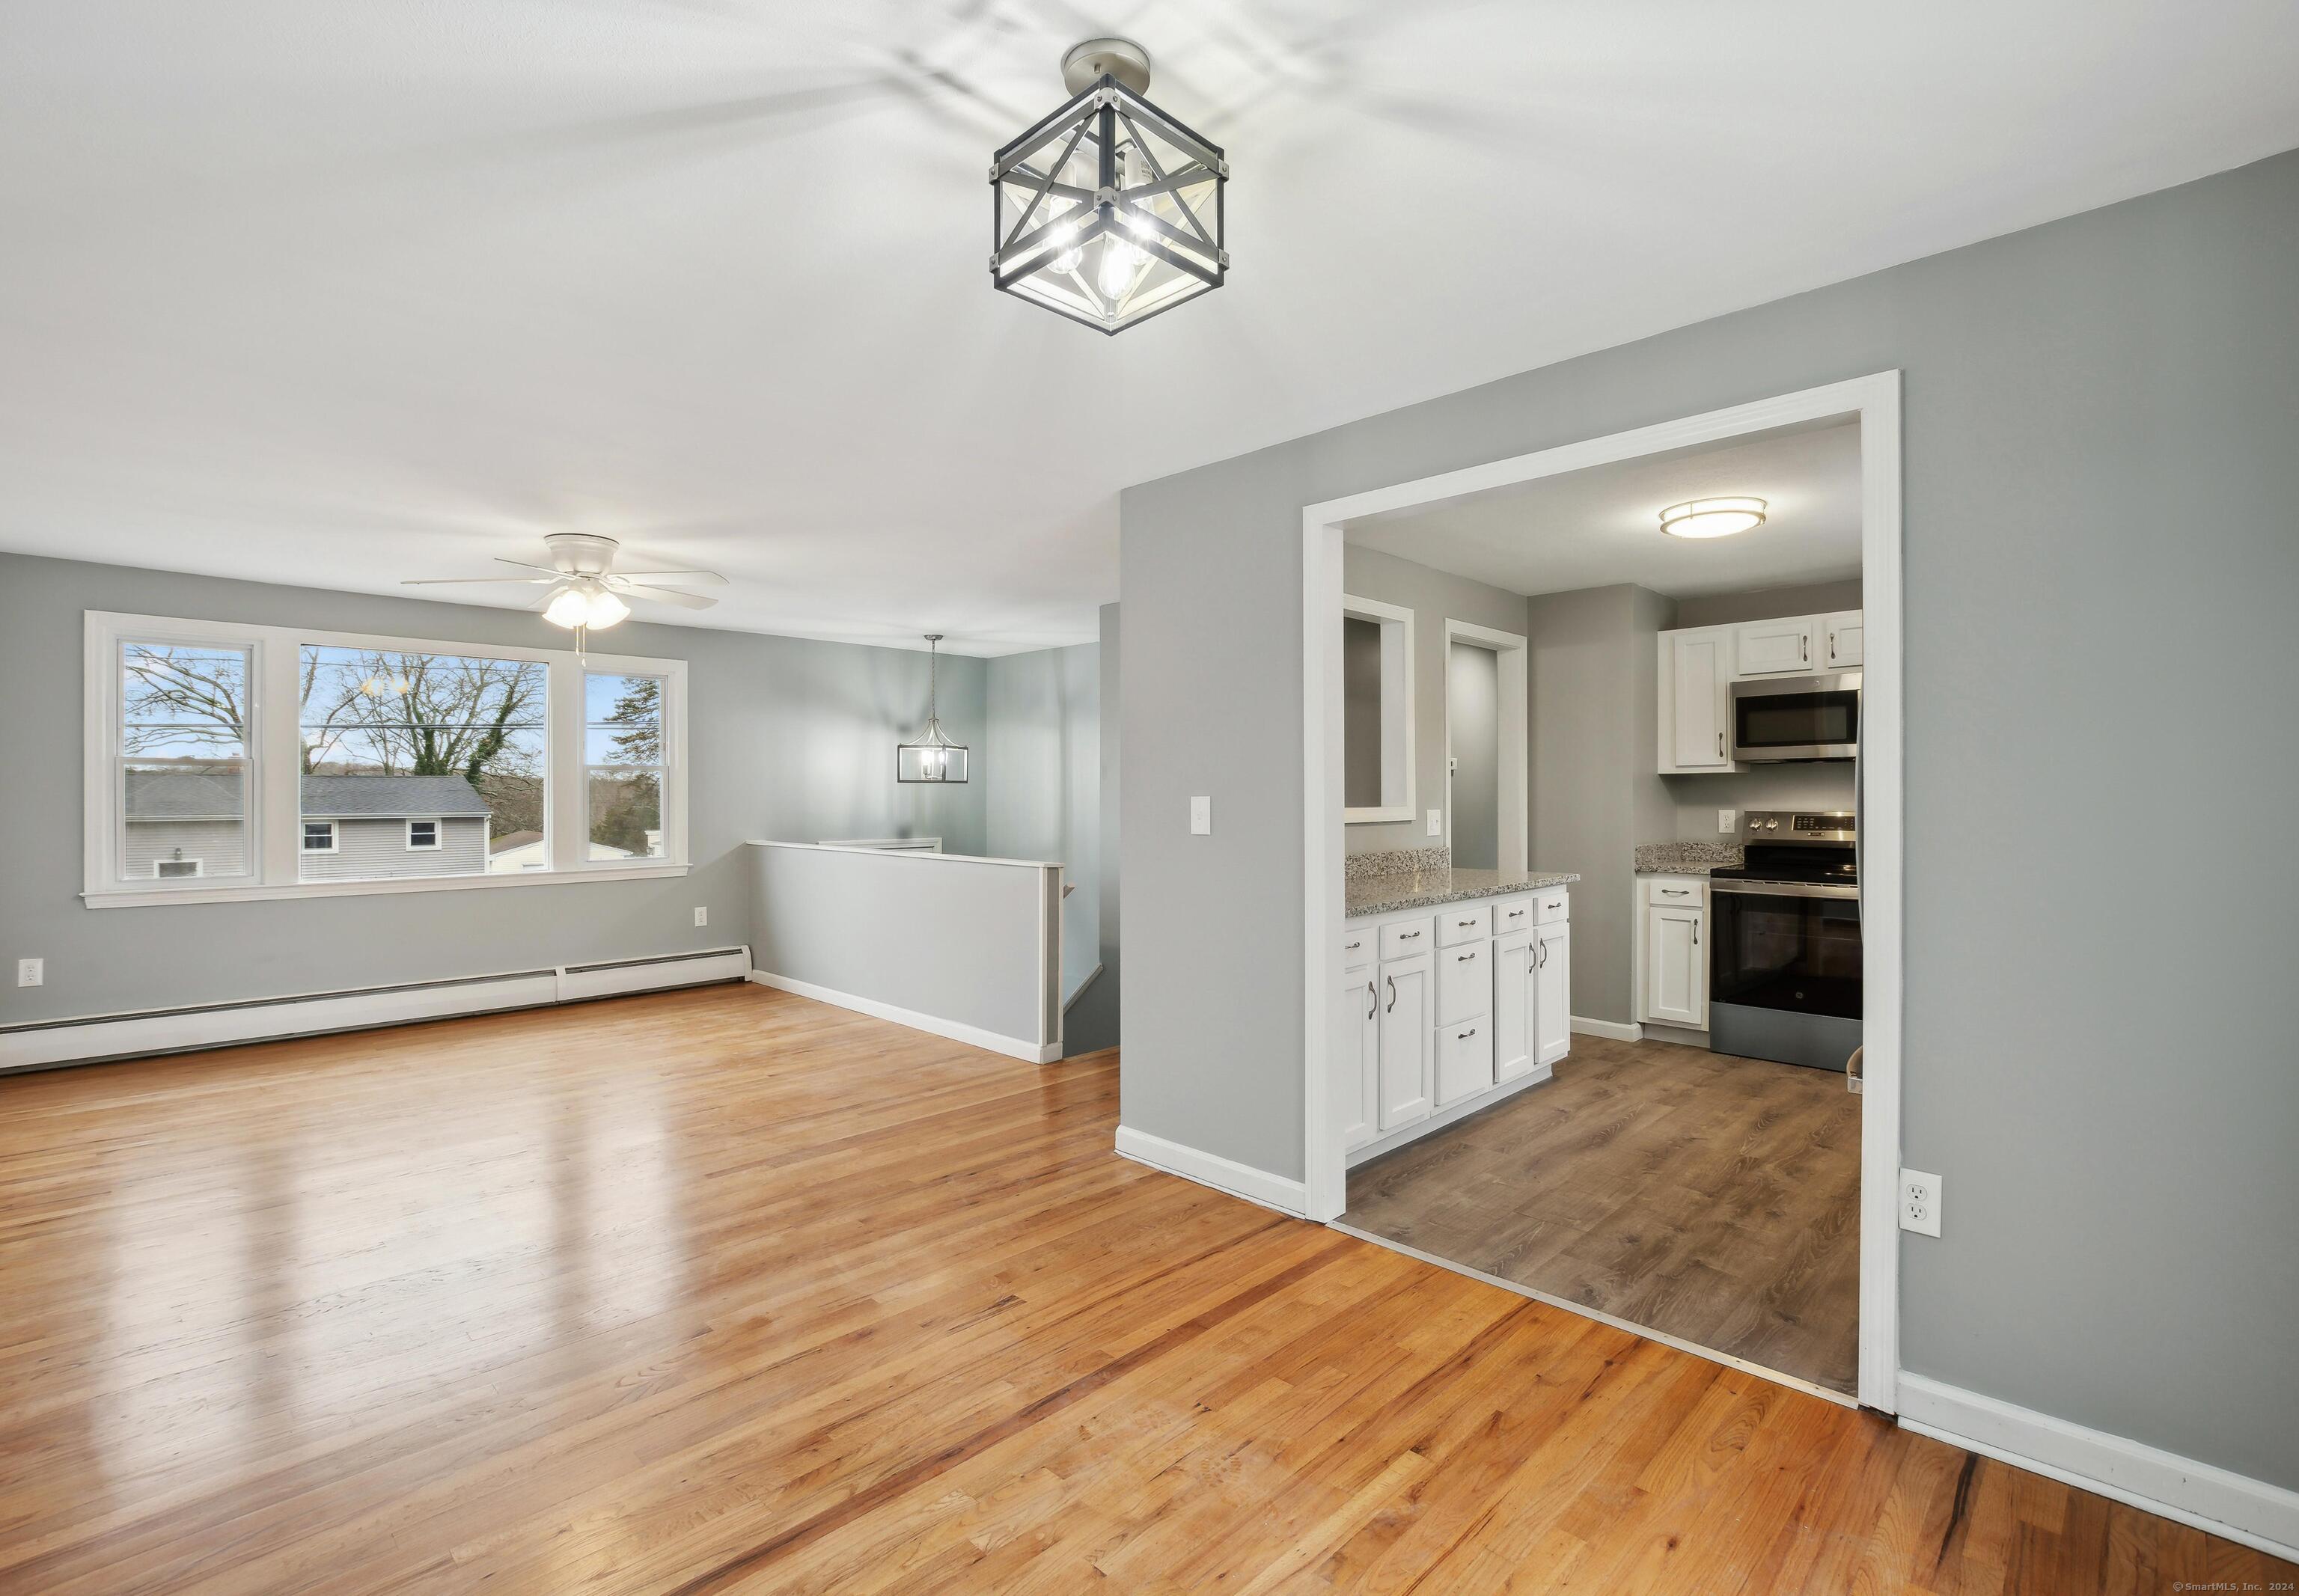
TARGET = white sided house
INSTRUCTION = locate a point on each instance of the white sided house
(352, 828)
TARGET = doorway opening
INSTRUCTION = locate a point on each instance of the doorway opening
(1718, 1187)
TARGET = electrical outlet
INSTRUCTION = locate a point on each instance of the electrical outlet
(32, 972)
(1436, 823)
(702, 916)
(1724, 819)
(1920, 1203)
(1201, 817)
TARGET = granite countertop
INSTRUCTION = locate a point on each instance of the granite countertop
(1422, 878)
(1685, 858)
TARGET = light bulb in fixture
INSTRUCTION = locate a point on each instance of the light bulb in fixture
(569, 606)
(1118, 261)
(606, 610)
(1712, 517)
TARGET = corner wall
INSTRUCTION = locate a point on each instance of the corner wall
(2100, 476)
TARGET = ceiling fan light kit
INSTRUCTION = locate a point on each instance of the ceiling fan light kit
(1108, 211)
(586, 592)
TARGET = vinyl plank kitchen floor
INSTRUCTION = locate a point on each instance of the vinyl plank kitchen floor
(1710, 1197)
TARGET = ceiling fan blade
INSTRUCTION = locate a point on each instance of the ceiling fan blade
(699, 578)
(529, 564)
(671, 595)
(467, 581)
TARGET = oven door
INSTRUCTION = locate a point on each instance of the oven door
(1787, 946)
(1798, 717)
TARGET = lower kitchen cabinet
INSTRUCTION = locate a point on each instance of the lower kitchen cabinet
(1407, 1039)
(1465, 1060)
(1356, 1056)
(1676, 965)
(1552, 972)
(1515, 992)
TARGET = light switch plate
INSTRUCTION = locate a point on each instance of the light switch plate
(1920, 1203)
(1201, 817)
(1436, 823)
(32, 972)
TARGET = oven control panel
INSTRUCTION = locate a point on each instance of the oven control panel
(1795, 825)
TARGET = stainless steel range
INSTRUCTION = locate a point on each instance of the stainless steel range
(1784, 963)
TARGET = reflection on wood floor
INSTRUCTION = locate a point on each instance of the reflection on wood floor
(1713, 1198)
(726, 1290)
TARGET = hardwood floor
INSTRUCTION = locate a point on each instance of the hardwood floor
(1712, 1198)
(729, 1291)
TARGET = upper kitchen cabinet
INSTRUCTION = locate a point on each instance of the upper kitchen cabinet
(1699, 664)
(1696, 683)
(1776, 648)
(1843, 640)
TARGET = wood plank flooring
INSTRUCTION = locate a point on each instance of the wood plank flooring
(727, 1291)
(1711, 1198)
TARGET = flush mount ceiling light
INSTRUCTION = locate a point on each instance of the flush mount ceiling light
(934, 758)
(1712, 517)
(1108, 211)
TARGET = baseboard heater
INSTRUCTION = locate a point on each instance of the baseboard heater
(93, 1039)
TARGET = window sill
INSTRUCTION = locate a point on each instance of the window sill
(145, 898)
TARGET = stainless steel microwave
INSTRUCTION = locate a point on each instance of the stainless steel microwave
(1780, 718)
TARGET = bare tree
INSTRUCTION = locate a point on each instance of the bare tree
(182, 701)
(420, 715)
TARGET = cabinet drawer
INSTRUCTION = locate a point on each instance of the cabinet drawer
(1464, 922)
(1465, 1060)
(1514, 914)
(1550, 907)
(1357, 947)
(1682, 892)
(1402, 939)
(1464, 982)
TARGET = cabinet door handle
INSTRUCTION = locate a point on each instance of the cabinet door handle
(1720, 745)
(1664, 891)
(1542, 962)
(1373, 1001)
(1464, 1035)
(1407, 936)
(1804, 646)
(1353, 947)
(1392, 992)
(1696, 933)
(1516, 913)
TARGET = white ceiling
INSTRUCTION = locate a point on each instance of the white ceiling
(345, 293)
(1595, 527)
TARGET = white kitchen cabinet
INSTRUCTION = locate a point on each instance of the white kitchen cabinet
(1464, 982)
(1512, 1004)
(1841, 633)
(1357, 1055)
(1408, 1033)
(1676, 965)
(1552, 982)
(1782, 648)
(1696, 675)
(1465, 1060)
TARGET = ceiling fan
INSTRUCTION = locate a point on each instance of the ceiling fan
(587, 594)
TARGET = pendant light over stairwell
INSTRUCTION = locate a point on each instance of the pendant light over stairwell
(933, 756)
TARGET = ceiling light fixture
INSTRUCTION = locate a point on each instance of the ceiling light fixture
(1712, 517)
(1108, 211)
(584, 605)
(934, 758)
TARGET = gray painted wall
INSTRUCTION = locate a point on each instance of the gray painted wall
(1473, 730)
(2100, 478)
(1767, 603)
(792, 741)
(1435, 597)
(1042, 775)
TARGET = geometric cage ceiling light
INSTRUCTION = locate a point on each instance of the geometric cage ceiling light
(1108, 211)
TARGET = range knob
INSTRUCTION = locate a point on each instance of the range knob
(1771, 825)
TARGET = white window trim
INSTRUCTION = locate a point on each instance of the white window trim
(438, 837)
(334, 837)
(275, 830)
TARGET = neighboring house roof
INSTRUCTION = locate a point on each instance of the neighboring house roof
(215, 795)
(512, 839)
(387, 797)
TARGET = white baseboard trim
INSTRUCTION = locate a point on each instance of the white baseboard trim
(1612, 1029)
(1207, 1169)
(2251, 1512)
(95, 1038)
(1474, 1103)
(973, 1036)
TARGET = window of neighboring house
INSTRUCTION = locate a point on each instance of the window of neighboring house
(206, 738)
(180, 757)
(390, 731)
(624, 765)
